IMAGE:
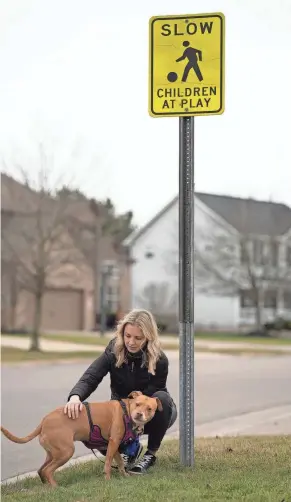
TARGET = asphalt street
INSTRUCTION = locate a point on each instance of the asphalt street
(225, 386)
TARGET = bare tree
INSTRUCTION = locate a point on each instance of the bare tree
(107, 224)
(158, 298)
(229, 263)
(234, 264)
(35, 237)
(10, 290)
(103, 229)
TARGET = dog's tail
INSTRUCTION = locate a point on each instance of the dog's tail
(26, 439)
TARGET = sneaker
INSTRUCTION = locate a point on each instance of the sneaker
(130, 460)
(144, 464)
(125, 459)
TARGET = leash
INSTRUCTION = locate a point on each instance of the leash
(100, 460)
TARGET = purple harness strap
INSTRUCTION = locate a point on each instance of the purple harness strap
(98, 442)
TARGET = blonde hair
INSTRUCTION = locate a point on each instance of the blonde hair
(148, 326)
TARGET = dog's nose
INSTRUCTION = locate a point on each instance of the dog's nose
(139, 415)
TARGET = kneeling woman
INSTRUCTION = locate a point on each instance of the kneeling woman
(135, 361)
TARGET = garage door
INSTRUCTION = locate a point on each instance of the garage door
(62, 310)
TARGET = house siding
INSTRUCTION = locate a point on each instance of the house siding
(154, 252)
(161, 240)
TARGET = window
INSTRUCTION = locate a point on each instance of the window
(109, 264)
(258, 250)
(244, 253)
(287, 300)
(111, 284)
(270, 299)
(247, 298)
(112, 298)
(110, 268)
(274, 254)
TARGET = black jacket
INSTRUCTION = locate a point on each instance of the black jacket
(132, 375)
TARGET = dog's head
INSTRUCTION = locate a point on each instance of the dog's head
(143, 408)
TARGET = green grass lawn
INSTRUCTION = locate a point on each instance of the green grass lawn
(244, 469)
(89, 340)
(86, 339)
(99, 340)
(237, 351)
(220, 337)
(12, 355)
(235, 337)
(96, 339)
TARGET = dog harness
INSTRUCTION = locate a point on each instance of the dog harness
(98, 442)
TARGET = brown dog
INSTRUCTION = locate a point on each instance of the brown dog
(57, 432)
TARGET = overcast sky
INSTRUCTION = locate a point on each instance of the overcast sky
(74, 74)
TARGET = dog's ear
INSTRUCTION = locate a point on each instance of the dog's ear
(134, 394)
(160, 406)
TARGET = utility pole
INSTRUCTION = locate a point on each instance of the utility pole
(95, 262)
(106, 272)
(96, 270)
(103, 301)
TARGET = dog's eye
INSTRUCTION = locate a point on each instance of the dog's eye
(137, 404)
(149, 409)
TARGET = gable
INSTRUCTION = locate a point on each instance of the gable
(248, 216)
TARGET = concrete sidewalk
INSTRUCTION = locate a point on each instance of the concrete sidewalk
(59, 347)
(272, 421)
(241, 345)
(224, 344)
(49, 345)
(199, 342)
(54, 345)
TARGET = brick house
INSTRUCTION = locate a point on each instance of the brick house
(79, 248)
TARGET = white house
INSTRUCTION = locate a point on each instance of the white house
(222, 223)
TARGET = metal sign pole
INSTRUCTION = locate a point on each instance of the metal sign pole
(168, 36)
(186, 288)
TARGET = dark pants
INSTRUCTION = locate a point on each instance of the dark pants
(162, 421)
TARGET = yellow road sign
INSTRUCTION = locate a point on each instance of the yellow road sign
(186, 65)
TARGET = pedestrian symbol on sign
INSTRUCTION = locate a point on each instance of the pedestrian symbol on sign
(191, 54)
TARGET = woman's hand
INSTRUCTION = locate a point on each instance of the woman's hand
(73, 407)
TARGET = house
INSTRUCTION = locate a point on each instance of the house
(78, 250)
(234, 238)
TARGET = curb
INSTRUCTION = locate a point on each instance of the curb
(75, 461)
(250, 423)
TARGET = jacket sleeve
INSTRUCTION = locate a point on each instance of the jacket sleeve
(159, 380)
(93, 376)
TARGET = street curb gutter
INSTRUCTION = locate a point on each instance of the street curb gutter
(253, 423)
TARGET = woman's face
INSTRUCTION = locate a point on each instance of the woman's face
(134, 339)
